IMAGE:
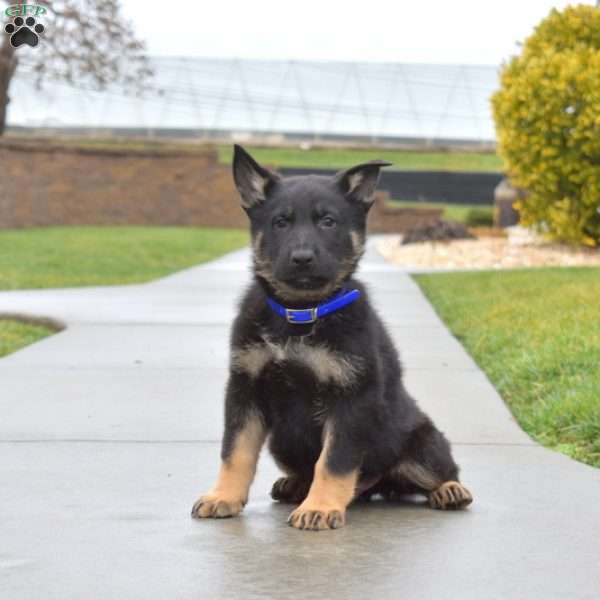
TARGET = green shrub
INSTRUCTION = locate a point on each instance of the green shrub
(547, 115)
(479, 217)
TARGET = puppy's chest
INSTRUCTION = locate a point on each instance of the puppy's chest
(296, 358)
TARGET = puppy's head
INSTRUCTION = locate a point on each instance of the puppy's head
(308, 232)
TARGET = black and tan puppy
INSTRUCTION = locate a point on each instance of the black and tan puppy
(312, 366)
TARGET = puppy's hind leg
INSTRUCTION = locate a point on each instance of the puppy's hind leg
(428, 467)
(292, 488)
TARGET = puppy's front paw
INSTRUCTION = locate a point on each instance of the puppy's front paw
(216, 506)
(316, 518)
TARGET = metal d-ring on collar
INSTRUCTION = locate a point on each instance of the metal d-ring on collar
(303, 316)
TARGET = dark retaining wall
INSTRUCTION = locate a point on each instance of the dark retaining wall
(44, 184)
(453, 187)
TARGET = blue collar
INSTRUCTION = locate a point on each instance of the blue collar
(302, 316)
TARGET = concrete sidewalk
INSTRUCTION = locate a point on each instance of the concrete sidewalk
(111, 428)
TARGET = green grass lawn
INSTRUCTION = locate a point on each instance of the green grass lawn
(536, 333)
(16, 334)
(291, 156)
(337, 158)
(454, 212)
(79, 256)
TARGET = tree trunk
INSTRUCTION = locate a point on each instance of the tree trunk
(8, 64)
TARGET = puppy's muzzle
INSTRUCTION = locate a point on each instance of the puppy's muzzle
(302, 259)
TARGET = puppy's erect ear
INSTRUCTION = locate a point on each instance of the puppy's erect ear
(251, 180)
(360, 182)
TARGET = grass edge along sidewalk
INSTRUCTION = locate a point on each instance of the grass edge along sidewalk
(15, 335)
(80, 256)
(536, 334)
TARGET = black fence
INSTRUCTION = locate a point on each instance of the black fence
(452, 187)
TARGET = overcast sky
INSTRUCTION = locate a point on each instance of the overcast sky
(433, 31)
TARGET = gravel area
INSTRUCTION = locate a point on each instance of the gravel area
(484, 253)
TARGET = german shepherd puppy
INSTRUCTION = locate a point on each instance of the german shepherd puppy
(312, 366)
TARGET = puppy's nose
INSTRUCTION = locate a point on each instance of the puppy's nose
(303, 257)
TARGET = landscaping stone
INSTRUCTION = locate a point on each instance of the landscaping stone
(486, 253)
(440, 230)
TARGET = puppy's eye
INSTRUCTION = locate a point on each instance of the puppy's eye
(280, 222)
(327, 222)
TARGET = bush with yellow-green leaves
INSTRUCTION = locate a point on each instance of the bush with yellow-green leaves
(547, 115)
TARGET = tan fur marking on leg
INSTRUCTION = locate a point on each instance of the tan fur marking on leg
(328, 497)
(230, 492)
(418, 474)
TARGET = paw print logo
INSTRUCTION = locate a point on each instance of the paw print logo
(24, 31)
